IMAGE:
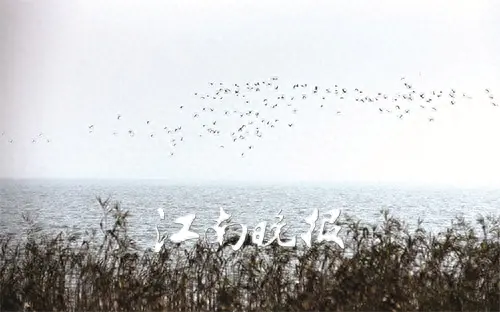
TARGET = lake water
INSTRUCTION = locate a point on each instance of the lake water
(71, 205)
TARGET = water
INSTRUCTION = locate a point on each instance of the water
(71, 205)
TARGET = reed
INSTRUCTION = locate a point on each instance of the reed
(384, 267)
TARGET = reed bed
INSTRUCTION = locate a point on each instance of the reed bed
(383, 267)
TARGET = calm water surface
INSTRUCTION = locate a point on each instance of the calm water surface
(72, 205)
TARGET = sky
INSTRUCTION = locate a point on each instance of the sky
(67, 65)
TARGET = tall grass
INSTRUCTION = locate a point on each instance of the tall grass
(383, 268)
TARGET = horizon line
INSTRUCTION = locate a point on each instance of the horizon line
(298, 182)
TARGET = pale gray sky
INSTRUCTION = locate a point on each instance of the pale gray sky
(68, 64)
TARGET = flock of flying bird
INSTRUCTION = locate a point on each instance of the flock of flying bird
(253, 117)
(41, 137)
(253, 113)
